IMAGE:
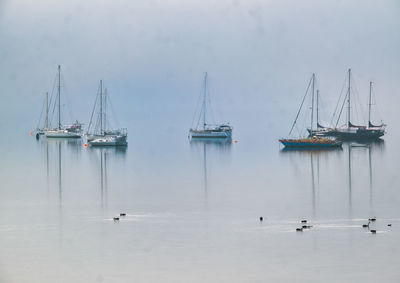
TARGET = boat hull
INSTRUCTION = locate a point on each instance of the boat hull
(310, 144)
(109, 141)
(61, 134)
(345, 134)
(364, 135)
(211, 134)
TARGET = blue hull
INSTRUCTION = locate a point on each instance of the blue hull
(310, 145)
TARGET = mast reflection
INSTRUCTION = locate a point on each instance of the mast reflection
(312, 157)
(370, 147)
(222, 146)
(101, 157)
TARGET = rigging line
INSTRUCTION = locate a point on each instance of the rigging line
(68, 104)
(338, 101)
(375, 103)
(97, 125)
(359, 104)
(197, 109)
(198, 121)
(321, 106)
(203, 104)
(112, 109)
(209, 103)
(54, 107)
(52, 97)
(41, 113)
(94, 108)
(341, 109)
(303, 128)
(53, 94)
(298, 112)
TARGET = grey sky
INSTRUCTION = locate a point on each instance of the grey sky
(152, 55)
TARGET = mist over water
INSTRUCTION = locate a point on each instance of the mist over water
(193, 207)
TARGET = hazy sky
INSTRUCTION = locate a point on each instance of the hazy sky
(152, 55)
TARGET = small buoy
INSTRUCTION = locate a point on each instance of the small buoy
(30, 133)
(365, 225)
(261, 218)
(373, 231)
(372, 219)
(299, 229)
(85, 145)
(235, 141)
(37, 136)
(390, 225)
(122, 214)
(303, 221)
(116, 218)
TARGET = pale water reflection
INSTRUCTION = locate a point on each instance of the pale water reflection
(192, 213)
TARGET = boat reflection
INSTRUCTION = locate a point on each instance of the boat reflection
(361, 149)
(55, 151)
(219, 145)
(357, 163)
(100, 157)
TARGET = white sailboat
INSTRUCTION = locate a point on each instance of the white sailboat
(209, 130)
(73, 131)
(101, 136)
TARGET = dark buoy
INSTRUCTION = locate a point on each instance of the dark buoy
(390, 225)
(299, 229)
(116, 218)
(261, 218)
(37, 136)
(303, 221)
(365, 225)
(373, 231)
(372, 219)
(122, 214)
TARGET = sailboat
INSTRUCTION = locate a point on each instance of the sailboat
(351, 131)
(101, 136)
(73, 131)
(209, 130)
(313, 141)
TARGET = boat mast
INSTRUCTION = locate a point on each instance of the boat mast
(204, 101)
(369, 104)
(317, 108)
(348, 102)
(312, 101)
(59, 97)
(101, 107)
(46, 124)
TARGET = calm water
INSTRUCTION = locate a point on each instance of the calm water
(192, 212)
(193, 208)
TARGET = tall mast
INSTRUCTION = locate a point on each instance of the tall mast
(312, 101)
(348, 102)
(59, 97)
(204, 101)
(369, 104)
(46, 124)
(317, 108)
(101, 107)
